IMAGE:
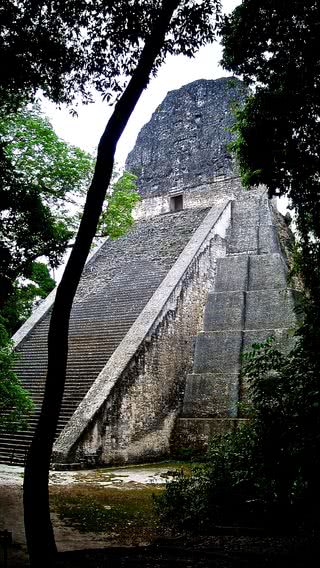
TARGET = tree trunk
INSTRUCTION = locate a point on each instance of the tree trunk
(39, 532)
(6, 287)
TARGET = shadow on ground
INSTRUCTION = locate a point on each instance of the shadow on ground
(105, 518)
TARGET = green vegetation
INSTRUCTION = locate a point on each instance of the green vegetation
(42, 187)
(15, 403)
(40, 176)
(116, 217)
(128, 512)
(124, 509)
(274, 46)
(43, 177)
(24, 294)
(60, 171)
(266, 473)
(42, 192)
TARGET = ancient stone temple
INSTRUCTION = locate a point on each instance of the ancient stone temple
(162, 315)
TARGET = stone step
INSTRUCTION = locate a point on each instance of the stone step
(70, 387)
(251, 272)
(224, 311)
(84, 329)
(232, 274)
(252, 230)
(80, 340)
(196, 432)
(219, 352)
(25, 435)
(270, 309)
(250, 303)
(256, 309)
(7, 445)
(75, 363)
(13, 458)
(282, 338)
(267, 271)
(253, 240)
(210, 395)
(244, 240)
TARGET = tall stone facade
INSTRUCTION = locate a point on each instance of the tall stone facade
(162, 315)
(250, 302)
(185, 143)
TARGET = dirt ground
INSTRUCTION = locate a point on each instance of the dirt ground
(66, 484)
(67, 538)
(129, 543)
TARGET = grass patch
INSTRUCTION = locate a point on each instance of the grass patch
(169, 465)
(123, 512)
(106, 510)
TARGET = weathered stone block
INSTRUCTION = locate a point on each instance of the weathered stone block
(270, 309)
(267, 271)
(232, 273)
(209, 395)
(185, 142)
(218, 352)
(283, 339)
(224, 310)
(244, 239)
(196, 433)
(268, 240)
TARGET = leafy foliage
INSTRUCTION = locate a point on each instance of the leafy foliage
(60, 171)
(91, 44)
(274, 46)
(15, 404)
(266, 473)
(116, 217)
(25, 294)
(28, 229)
(42, 189)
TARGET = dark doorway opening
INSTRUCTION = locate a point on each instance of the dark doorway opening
(176, 202)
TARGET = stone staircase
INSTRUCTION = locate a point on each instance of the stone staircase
(250, 302)
(115, 286)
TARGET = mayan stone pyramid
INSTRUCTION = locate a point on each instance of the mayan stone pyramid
(162, 315)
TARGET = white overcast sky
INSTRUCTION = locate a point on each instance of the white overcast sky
(85, 130)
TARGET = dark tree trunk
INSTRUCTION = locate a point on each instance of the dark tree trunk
(39, 532)
(6, 287)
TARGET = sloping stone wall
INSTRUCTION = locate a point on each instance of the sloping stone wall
(129, 413)
(115, 286)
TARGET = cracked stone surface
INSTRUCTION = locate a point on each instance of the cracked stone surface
(185, 142)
